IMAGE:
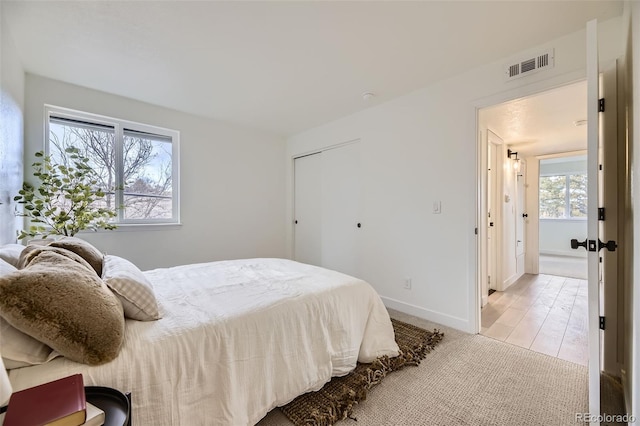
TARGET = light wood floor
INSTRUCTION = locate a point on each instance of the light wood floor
(543, 313)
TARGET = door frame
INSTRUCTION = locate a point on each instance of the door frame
(478, 265)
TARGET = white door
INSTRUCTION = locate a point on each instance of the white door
(521, 217)
(308, 209)
(492, 151)
(608, 199)
(494, 214)
(592, 217)
(602, 225)
(341, 194)
(327, 194)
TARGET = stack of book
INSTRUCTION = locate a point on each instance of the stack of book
(58, 403)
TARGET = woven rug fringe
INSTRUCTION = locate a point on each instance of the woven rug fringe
(337, 399)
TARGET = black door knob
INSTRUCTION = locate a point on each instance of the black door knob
(359, 225)
(525, 215)
(296, 222)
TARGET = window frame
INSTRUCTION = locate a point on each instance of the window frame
(567, 195)
(119, 126)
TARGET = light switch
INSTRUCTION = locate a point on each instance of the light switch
(437, 207)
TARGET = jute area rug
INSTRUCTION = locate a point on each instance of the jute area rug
(472, 380)
(337, 399)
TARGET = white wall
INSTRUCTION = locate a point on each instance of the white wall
(231, 182)
(421, 148)
(11, 132)
(556, 234)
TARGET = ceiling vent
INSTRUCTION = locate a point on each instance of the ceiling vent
(530, 65)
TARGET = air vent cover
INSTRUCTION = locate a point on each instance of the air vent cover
(529, 65)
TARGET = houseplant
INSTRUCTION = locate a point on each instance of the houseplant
(65, 200)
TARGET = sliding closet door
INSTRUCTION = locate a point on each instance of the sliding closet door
(327, 208)
(308, 209)
(341, 193)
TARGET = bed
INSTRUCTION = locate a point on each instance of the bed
(236, 339)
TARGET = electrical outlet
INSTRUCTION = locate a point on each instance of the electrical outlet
(407, 283)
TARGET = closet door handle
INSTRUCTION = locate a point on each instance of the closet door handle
(359, 225)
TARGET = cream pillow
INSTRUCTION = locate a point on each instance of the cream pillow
(132, 288)
(22, 350)
(10, 253)
(19, 349)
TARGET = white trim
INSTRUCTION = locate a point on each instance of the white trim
(512, 279)
(324, 148)
(561, 154)
(420, 312)
(119, 125)
(569, 253)
(475, 106)
(130, 227)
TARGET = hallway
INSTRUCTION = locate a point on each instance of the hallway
(543, 313)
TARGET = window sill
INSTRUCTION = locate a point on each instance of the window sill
(138, 227)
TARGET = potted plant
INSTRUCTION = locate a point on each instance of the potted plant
(66, 199)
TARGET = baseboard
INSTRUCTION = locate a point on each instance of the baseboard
(578, 254)
(417, 311)
(512, 279)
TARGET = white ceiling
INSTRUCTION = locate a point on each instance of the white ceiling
(278, 66)
(544, 123)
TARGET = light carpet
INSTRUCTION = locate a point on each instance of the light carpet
(472, 380)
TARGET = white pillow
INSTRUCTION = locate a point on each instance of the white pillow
(19, 349)
(10, 253)
(133, 289)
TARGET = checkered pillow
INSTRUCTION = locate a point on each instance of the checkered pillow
(132, 288)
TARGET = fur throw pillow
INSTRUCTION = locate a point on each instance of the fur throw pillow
(32, 251)
(92, 255)
(66, 305)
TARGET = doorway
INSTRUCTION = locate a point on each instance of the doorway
(531, 307)
(562, 196)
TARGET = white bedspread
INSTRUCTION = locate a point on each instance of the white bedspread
(237, 338)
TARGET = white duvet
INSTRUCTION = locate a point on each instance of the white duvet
(237, 338)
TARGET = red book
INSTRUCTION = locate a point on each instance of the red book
(58, 403)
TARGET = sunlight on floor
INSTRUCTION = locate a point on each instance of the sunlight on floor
(543, 313)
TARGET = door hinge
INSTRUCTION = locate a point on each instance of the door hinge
(601, 213)
(476, 231)
(601, 105)
(488, 279)
(602, 323)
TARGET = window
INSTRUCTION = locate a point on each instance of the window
(136, 165)
(563, 196)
